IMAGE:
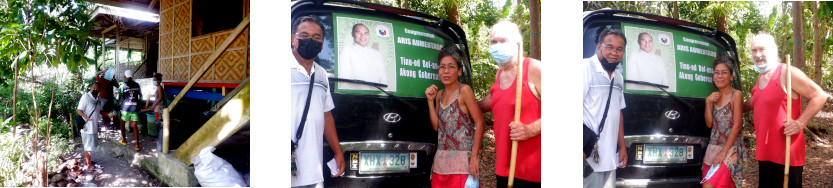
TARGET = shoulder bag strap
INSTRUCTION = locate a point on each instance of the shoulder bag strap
(607, 106)
(304, 116)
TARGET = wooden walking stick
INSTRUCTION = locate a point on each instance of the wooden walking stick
(789, 117)
(518, 86)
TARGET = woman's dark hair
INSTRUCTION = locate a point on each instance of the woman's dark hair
(95, 83)
(158, 76)
(726, 61)
(453, 52)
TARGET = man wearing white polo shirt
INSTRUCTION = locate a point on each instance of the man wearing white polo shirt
(598, 72)
(312, 118)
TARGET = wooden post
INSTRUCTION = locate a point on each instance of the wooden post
(210, 61)
(166, 124)
(233, 116)
(789, 117)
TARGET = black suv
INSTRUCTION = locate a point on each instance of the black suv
(665, 132)
(384, 128)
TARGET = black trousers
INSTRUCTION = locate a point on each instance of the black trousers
(519, 183)
(771, 174)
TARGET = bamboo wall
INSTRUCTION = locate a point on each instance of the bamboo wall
(180, 55)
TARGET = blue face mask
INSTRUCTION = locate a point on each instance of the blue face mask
(503, 52)
(711, 172)
(156, 83)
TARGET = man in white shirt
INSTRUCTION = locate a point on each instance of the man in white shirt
(89, 109)
(642, 65)
(307, 42)
(360, 62)
(598, 70)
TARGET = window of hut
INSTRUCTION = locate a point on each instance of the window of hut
(210, 16)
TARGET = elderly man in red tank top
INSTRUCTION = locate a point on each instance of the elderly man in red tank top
(769, 105)
(504, 40)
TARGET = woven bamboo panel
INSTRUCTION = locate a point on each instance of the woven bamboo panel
(166, 4)
(182, 16)
(182, 41)
(166, 21)
(196, 62)
(181, 68)
(166, 68)
(164, 45)
(202, 44)
(232, 65)
(241, 40)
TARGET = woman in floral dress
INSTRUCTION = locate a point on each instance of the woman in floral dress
(724, 116)
(458, 121)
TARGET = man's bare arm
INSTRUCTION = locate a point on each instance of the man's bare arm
(804, 86)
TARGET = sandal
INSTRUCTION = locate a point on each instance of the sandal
(122, 142)
(138, 147)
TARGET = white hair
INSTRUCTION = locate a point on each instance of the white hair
(513, 34)
(768, 41)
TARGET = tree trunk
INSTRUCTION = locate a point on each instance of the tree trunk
(817, 44)
(798, 35)
(535, 29)
(676, 12)
(406, 4)
(453, 13)
(14, 99)
(722, 22)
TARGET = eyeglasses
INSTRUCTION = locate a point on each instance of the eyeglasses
(610, 48)
(447, 67)
(315, 37)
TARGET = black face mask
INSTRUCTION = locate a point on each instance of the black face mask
(94, 92)
(609, 67)
(309, 48)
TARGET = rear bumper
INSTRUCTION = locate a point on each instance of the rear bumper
(661, 182)
(417, 177)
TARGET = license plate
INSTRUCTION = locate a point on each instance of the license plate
(654, 154)
(382, 163)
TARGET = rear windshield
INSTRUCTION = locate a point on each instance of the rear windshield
(401, 55)
(677, 59)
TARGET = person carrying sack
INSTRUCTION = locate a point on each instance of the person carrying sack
(603, 97)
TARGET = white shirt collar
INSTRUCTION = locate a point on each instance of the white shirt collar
(599, 68)
(297, 66)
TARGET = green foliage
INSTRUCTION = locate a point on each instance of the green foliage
(16, 158)
(50, 32)
(67, 93)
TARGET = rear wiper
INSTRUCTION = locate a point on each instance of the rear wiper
(374, 84)
(662, 87)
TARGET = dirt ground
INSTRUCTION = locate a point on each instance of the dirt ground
(115, 171)
(818, 170)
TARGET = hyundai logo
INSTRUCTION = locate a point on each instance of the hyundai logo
(392, 117)
(671, 114)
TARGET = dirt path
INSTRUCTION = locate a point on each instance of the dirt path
(117, 171)
(818, 168)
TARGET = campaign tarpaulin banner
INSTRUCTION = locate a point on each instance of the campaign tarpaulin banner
(399, 54)
(680, 60)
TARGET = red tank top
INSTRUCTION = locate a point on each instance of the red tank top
(528, 162)
(770, 109)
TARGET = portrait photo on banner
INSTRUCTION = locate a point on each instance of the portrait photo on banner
(366, 52)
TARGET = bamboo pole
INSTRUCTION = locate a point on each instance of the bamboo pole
(518, 91)
(789, 117)
(166, 123)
